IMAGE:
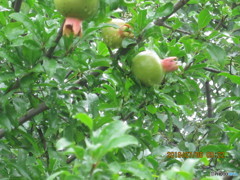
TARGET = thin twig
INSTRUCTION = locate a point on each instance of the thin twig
(43, 140)
(212, 70)
(209, 100)
(221, 22)
(230, 68)
(178, 30)
(70, 159)
(33, 112)
(49, 53)
(180, 4)
(96, 72)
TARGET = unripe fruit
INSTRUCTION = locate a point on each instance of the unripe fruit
(75, 12)
(113, 37)
(81, 9)
(146, 66)
(150, 69)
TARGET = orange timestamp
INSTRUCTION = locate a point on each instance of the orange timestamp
(195, 154)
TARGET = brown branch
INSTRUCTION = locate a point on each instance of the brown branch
(17, 5)
(178, 30)
(70, 159)
(236, 30)
(180, 4)
(230, 68)
(17, 83)
(44, 143)
(212, 70)
(30, 114)
(209, 100)
(49, 53)
(221, 22)
(95, 73)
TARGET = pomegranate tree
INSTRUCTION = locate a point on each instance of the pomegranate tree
(150, 69)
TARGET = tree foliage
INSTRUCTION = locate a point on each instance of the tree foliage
(70, 107)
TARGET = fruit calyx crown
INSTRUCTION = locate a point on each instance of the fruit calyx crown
(169, 64)
(126, 31)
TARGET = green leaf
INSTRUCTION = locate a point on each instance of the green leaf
(101, 62)
(91, 103)
(31, 51)
(152, 109)
(28, 23)
(111, 136)
(164, 10)
(204, 18)
(5, 122)
(137, 169)
(62, 144)
(122, 141)
(182, 98)
(205, 161)
(38, 149)
(85, 119)
(50, 66)
(141, 20)
(193, 2)
(217, 53)
(56, 174)
(6, 76)
(127, 41)
(235, 79)
(5, 54)
(214, 148)
(110, 131)
(189, 164)
(13, 30)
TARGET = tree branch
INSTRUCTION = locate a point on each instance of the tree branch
(180, 4)
(49, 53)
(17, 5)
(209, 100)
(70, 159)
(178, 30)
(30, 114)
(44, 143)
(221, 22)
(212, 70)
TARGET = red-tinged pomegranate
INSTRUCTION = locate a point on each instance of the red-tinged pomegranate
(113, 36)
(150, 69)
(75, 12)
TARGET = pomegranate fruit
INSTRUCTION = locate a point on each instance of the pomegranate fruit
(150, 69)
(113, 37)
(75, 12)
(80, 9)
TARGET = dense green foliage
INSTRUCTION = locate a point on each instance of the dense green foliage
(70, 107)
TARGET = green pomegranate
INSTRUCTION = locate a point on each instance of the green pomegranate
(75, 12)
(113, 37)
(81, 9)
(150, 69)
